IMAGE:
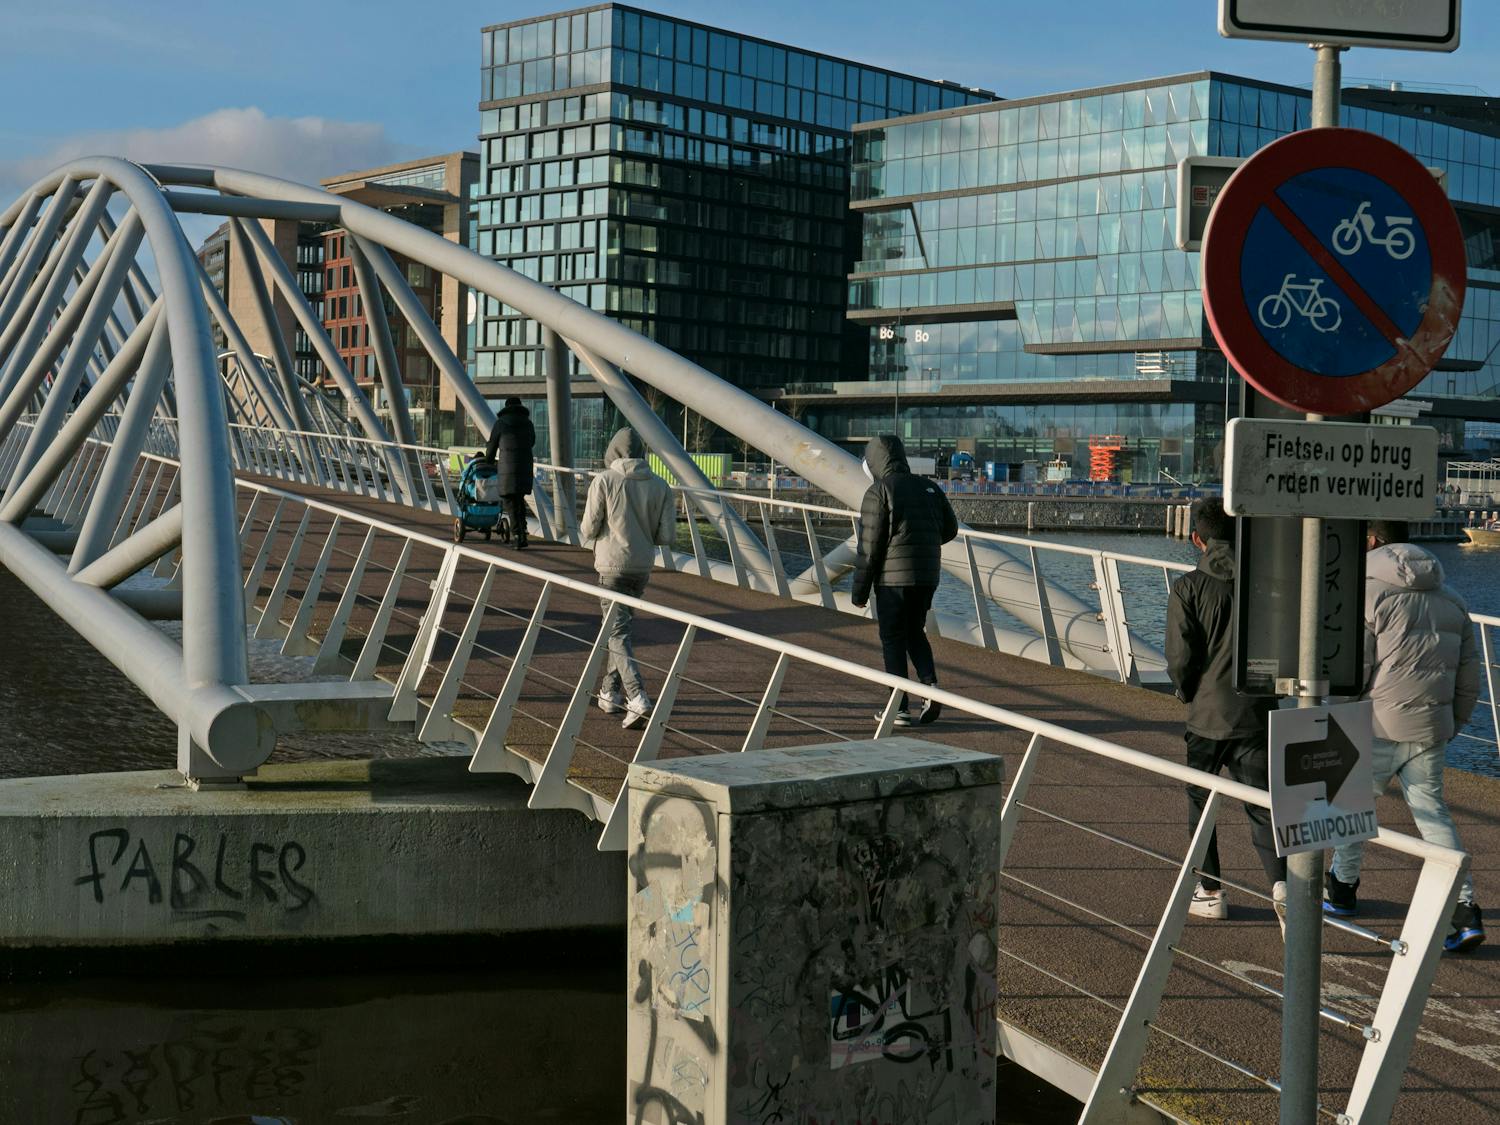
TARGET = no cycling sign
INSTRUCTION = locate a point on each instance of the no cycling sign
(1333, 271)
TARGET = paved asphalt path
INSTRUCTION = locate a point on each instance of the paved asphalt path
(1059, 881)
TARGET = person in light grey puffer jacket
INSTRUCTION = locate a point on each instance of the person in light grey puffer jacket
(630, 512)
(1423, 668)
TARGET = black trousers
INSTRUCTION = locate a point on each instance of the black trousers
(1245, 759)
(515, 511)
(901, 612)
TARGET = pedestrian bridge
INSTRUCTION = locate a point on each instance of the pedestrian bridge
(145, 479)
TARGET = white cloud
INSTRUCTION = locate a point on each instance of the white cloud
(304, 149)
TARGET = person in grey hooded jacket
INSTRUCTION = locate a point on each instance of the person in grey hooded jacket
(630, 512)
(1423, 670)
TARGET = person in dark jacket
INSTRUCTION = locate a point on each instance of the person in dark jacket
(1225, 730)
(904, 521)
(510, 446)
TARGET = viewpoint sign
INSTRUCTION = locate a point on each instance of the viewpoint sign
(1413, 25)
(1322, 782)
(1330, 470)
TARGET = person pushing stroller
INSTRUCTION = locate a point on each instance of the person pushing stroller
(510, 447)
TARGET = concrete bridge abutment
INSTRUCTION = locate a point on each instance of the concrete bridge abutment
(306, 852)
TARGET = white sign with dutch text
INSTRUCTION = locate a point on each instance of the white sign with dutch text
(1330, 470)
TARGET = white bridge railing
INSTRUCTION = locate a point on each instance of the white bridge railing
(419, 614)
(798, 540)
(787, 548)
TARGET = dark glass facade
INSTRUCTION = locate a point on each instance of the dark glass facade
(1022, 294)
(691, 182)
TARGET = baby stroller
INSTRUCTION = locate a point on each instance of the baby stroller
(479, 506)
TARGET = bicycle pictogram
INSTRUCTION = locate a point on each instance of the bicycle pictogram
(1359, 228)
(1303, 298)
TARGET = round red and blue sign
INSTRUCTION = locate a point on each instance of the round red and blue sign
(1333, 271)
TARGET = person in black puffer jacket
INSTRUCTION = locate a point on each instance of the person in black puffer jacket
(904, 521)
(510, 446)
(1225, 730)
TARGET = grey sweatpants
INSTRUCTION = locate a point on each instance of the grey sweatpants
(621, 672)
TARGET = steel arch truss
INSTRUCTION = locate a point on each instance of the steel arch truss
(99, 367)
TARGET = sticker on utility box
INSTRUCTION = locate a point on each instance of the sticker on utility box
(1330, 470)
(1322, 784)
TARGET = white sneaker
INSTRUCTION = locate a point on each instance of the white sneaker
(611, 702)
(1278, 904)
(637, 711)
(1209, 904)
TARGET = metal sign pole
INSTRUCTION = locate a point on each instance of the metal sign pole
(1303, 981)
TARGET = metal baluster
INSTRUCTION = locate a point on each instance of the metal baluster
(1044, 609)
(778, 572)
(825, 590)
(1010, 812)
(1487, 647)
(404, 702)
(329, 658)
(129, 508)
(249, 521)
(440, 725)
(263, 556)
(143, 516)
(1111, 1093)
(544, 525)
(166, 565)
(741, 576)
(887, 721)
(981, 599)
(369, 655)
(450, 505)
(756, 736)
(692, 521)
(612, 839)
(491, 755)
(297, 642)
(1119, 624)
(551, 790)
(269, 624)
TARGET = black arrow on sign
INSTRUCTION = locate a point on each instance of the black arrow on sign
(1329, 760)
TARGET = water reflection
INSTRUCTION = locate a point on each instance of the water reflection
(494, 1048)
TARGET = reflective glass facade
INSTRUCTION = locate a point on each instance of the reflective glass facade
(1026, 244)
(691, 182)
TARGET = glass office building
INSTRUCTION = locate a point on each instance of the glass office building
(691, 182)
(1022, 295)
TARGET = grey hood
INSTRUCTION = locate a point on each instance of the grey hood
(885, 454)
(1424, 665)
(626, 454)
(1404, 566)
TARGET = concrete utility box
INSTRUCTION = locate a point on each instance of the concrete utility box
(812, 936)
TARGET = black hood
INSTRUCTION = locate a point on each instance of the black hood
(885, 454)
(516, 410)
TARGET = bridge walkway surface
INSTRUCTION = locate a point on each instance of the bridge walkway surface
(1077, 909)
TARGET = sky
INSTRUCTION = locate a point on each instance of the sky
(305, 90)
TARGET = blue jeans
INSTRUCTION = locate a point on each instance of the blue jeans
(1418, 766)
